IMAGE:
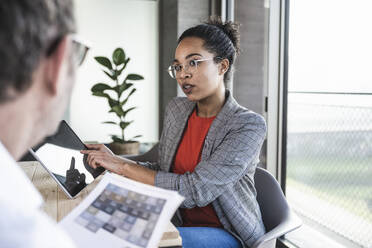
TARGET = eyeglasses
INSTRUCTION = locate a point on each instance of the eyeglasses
(80, 48)
(191, 66)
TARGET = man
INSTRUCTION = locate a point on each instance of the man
(38, 56)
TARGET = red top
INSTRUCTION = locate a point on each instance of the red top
(187, 157)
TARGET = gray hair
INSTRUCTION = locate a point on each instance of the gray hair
(27, 28)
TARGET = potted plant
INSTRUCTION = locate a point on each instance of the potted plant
(117, 96)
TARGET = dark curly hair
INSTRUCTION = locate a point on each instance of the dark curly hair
(220, 38)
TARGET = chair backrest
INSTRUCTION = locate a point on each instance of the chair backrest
(273, 204)
(151, 155)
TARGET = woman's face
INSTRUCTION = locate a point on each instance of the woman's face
(198, 79)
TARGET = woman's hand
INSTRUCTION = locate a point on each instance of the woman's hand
(100, 155)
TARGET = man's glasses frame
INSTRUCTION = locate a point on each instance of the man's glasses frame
(80, 48)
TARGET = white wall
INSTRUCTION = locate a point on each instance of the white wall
(132, 25)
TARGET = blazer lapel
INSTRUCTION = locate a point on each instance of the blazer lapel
(178, 124)
(219, 126)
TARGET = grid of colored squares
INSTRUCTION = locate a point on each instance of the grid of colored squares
(126, 214)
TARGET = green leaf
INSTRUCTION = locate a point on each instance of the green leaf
(128, 110)
(109, 122)
(125, 65)
(101, 94)
(124, 87)
(115, 138)
(132, 139)
(118, 140)
(100, 87)
(118, 56)
(116, 89)
(134, 77)
(104, 61)
(124, 124)
(118, 110)
(131, 93)
(113, 103)
(113, 77)
(126, 99)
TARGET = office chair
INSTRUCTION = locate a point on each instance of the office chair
(151, 155)
(278, 218)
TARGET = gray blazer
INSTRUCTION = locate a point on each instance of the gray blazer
(224, 176)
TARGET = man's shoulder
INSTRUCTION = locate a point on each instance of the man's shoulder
(34, 226)
(17, 189)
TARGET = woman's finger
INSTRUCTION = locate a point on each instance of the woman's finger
(102, 159)
(107, 161)
(86, 151)
(91, 156)
(93, 146)
(89, 159)
(95, 164)
(97, 147)
(93, 159)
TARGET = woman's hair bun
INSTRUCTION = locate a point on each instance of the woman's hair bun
(231, 29)
(220, 38)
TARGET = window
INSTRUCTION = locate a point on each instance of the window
(328, 163)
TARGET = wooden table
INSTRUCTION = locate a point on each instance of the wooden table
(58, 205)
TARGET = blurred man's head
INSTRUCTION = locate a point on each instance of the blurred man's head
(38, 59)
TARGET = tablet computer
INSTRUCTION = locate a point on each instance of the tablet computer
(60, 155)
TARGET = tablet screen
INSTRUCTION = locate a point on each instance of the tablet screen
(60, 155)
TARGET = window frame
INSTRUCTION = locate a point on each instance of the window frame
(276, 88)
(276, 93)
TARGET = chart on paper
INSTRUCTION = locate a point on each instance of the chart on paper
(128, 215)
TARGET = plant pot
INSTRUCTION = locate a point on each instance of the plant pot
(126, 148)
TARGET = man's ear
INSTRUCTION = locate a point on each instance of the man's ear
(53, 66)
(224, 66)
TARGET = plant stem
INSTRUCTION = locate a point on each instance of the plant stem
(120, 118)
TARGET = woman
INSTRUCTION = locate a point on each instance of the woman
(209, 147)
